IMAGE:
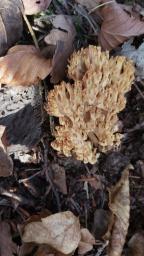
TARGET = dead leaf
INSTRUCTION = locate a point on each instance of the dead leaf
(62, 36)
(61, 231)
(136, 244)
(117, 26)
(23, 65)
(6, 163)
(120, 207)
(87, 241)
(137, 55)
(7, 246)
(59, 178)
(34, 7)
(11, 24)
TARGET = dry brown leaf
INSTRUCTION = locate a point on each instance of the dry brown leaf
(23, 65)
(34, 7)
(59, 177)
(117, 26)
(61, 231)
(11, 24)
(120, 207)
(6, 164)
(136, 245)
(62, 36)
(87, 241)
(7, 246)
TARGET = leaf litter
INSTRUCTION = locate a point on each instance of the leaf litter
(81, 214)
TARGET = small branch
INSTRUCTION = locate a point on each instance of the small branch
(100, 5)
(31, 31)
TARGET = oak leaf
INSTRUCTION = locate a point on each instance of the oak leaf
(117, 26)
(34, 7)
(62, 36)
(61, 231)
(23, 65)
(120, 207)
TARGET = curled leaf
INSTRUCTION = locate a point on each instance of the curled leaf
(61, 231)
(62, 36)
(23, 65)
(120, 207)
(34, 7)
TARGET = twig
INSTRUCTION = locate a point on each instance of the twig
(140, 92)
(100, 5)
(31, 31)
(29, 178)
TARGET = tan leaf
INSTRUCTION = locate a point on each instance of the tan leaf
(33, 6)
(61, 231)
(136, 244)
(63, 37)
(117, 26)
(6, 163)
(7, 246)
(87, 241)
(23, 65)
(120, 206)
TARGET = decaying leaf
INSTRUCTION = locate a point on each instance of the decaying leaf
(6, 163)
(117, 26)
(61, 231)
(34, 7)
(136, 244)
(7, 246)
(137, 55)
(120, 207)
(87, 109)
(87, 241)
(23, 65)
(62, 36)
(11, 24)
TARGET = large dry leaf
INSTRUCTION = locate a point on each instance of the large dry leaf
(34, 7)
(62, 36)
(120, 207)
(7, 246)
(136, 245)
(6, 164)
(11, 25)
(61, 231)
(117, 26)
(23, 65)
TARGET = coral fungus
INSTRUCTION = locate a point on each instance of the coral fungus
(87, 109)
